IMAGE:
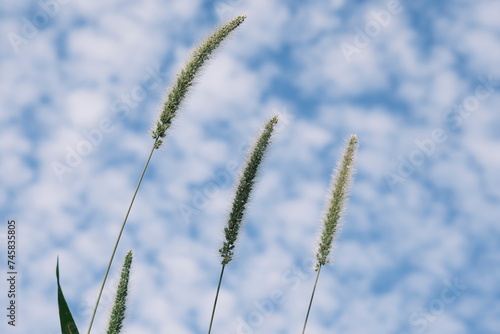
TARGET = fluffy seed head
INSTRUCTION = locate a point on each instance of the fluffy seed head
(118, 313)
(341, 180)
(186, 77)
(245, 186)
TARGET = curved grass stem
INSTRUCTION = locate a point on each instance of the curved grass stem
(311, 301)
(119, 237)
(216, 297)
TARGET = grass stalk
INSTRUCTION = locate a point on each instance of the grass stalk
(311, 301)
(216, 298)
(119, 237)
(341, 180)
(184, 81)
(241, 198)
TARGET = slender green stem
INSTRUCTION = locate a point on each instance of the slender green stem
(119, 237)
(216, 297)
(312, 297)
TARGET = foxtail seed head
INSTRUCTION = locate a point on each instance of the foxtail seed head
(245, 186)
(341, 180)
(118, 313)
(186, 77)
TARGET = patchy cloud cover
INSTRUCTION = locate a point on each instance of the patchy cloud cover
(418, 83)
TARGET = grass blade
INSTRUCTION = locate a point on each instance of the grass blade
(68, 325)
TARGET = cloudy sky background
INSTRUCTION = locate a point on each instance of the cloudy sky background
(418, 82)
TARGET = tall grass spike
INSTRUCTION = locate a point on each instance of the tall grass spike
(245, 186)
(185, 78)
(118, 313)
(341, 180)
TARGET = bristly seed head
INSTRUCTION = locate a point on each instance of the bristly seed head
(186, 77)
(118, 313)
(247, 181)
(341, 180)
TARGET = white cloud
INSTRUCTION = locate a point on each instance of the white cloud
(85, 108)
(284, 56)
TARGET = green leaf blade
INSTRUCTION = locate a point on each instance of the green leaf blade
(68, 325)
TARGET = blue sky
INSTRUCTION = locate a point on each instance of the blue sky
(418, 82)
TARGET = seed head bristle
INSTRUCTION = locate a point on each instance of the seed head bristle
(118, 313)
(186, 77)
(341, 180)
(245, 186)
